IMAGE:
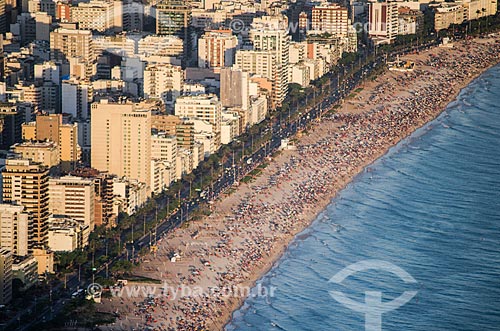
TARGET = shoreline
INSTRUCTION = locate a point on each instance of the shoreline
(254, 266)
(280, 253)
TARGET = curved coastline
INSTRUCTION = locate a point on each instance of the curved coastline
(265, 263)
(419, 131)
(281, 274)
(391, 149)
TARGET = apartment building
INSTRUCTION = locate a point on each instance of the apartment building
(26, 183)
(73, 197)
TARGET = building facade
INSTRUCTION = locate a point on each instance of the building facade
(14, 223)
(265, 65)
(67, 234)
(173, 17)
(94, 15)
(5, 276)
(121, 140)
(382, 21)
(43, 152)
(73, 197)
(330, 18)
(51, 128)
(26, 183)
(67, 45)
(447, 14)
(206, 107)
(216, 49)
(163, 81)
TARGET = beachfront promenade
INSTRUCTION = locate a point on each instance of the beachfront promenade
(248, 230)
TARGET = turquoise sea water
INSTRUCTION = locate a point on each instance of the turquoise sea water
(430, 206)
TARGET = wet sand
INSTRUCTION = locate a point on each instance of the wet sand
(221, 256)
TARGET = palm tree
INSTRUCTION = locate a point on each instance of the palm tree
(484, 11)
(190, 178)
(478, 21)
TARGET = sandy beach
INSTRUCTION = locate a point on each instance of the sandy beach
(223, 255)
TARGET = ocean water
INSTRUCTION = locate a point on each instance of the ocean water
(430, 206)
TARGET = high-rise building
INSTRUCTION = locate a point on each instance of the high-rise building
(63, 12)
(447, 14)
(11, 120)
(103, 188)
(163, 81)
(43, 23)
(216, 49)
(43, 152)
(230, 127)
(45, 260)
(46, 127)
(164, 147)
(66, 44)
(5, 276)
(129, 195)
(27, 183)
(476, 9)
(132, 15)
(11, 11)
(31, 94)
(73, 197)
(382, 21)
(84, 141)
(67, 234)
(258, 110)
(49, 7)
(14, 223)
(270, 34)
(301, 75)
(121, 45)
(234, 88)
(51, 97)
(65, 135)
(264, 64)
(27, 27)
(330, 18)
(94, 15)
(410, 21)
(163, 161)
(76, 98)
(165, 123)
(121, 140)
(160, 45)
(206, 107)
(26, 270)
(173, 17)
(303, 25)
(48, 72)
(3, 17)
(175, 126)
(185, 135)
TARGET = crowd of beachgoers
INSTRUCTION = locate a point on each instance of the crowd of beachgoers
(222, 255)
